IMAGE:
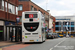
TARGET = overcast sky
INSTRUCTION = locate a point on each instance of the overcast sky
(58, 7)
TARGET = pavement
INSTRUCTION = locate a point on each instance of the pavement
(7, 43)
(49, 44)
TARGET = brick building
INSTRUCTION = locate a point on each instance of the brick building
(8, 14)
(52, 24)
(27, 5)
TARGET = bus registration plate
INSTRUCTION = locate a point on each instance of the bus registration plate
(31, 40)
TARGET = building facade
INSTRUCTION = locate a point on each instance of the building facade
(52, 24)
(28, 5)
(8, 14)
(67, 23)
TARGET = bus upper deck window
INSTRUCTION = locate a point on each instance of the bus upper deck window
(35, 15)
(30, 15)
(26, 15)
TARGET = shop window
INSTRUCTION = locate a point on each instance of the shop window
(20, 7)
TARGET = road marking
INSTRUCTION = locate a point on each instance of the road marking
(59, 43)
(51, 48)
(0, 48)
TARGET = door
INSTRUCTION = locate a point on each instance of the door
(1, 33)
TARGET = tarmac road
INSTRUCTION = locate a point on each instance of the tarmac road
(53, 44)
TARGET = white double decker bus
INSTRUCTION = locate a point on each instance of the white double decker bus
(33, 26)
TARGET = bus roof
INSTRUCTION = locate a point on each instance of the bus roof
(31, 11)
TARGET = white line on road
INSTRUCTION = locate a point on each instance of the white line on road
(51, 48)
(58, 44)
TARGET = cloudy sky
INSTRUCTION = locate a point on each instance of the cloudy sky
(58, 7)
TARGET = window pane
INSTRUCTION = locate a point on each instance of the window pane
(65, 23)
(72, 23)
(32, 9)
(6, 6)
(16, 10)
(57, 28)
(2, 5)
(34, 16)
(9, 7)
(20, 7)
(57, 23)
(13, 9)
(72, 28)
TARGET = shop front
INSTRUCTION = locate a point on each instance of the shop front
(13, 32)
(1, 30)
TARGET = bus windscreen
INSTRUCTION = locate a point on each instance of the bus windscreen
(30, 15)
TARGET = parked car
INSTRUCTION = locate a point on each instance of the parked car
(55, 35)
(50, 35)
(60, 35)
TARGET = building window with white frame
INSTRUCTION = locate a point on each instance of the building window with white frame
(9, 8)
(13, 9)
(20, 8)
(16, 10)
(6, 6)
(2, 5)
(32, 8)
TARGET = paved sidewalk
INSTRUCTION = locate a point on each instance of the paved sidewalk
(16, 47)
(7, 43)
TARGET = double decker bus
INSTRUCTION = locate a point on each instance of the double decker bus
(33, 26)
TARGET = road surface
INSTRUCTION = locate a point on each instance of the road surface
(49, 44)
(53, 44)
